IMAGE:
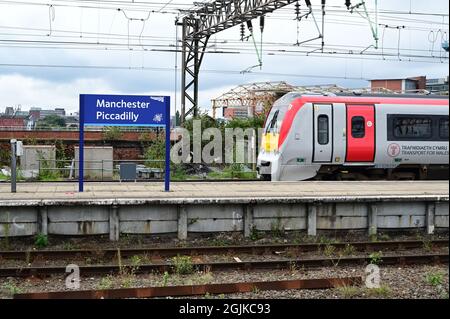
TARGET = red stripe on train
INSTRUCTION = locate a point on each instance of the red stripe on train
(297, 104)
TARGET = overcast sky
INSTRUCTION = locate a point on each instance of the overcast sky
(122, 46)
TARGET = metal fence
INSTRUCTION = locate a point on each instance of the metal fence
(110, 170)
(75, 129)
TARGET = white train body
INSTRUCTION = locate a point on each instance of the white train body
(334, 137)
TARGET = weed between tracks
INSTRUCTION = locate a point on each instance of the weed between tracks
(11, 288)
(348, 292)
(183, 265)
(375, 258)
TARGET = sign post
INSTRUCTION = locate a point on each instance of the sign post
(124, 110)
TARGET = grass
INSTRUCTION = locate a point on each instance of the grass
(348, 291)
(427, 245)
(349, 250)
(375, 258)
(105, 283)
(165, 279)
(41, 241)
(127, 280)
(136, 261)
(435, 278)
(19, 176)
(183, 265)
(329, 250)
(11, 288)
(383, 291)
(220, 242)
(277, 229)
(255, 234)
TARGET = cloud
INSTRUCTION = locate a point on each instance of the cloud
(60, 87)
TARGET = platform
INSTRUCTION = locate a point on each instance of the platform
(144, 208)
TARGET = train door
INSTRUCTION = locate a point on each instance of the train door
(323, 133)
(360, 133)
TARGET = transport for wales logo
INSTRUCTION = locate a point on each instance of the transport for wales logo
(393, 150)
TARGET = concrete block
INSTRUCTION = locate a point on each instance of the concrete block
(215, 225)
(32, 154)
(282, 210)
(248, 220)
(401, 221)
(215, 211)
(284, 224)
(441, 209)
(372, 219)
(431, 207)
(18, 229)
(18, 214)
(79, 228)
(114, 223)
(401, 209)
(441, 221)
(42, 224)
(182, 223)
(148, 227)
(78, 213)
(342, 222)
(148, 212)
(98, 162)
(312, 220)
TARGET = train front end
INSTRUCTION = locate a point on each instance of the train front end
(270, 155)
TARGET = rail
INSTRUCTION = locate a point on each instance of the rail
(219, 250)
(402, 259)
(195, 290)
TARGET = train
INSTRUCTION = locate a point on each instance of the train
(347, 136)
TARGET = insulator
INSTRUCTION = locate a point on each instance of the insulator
(261, 23)
(348, 3)
(242, 32)
(297, 9)
(250, 25)
(308, 3)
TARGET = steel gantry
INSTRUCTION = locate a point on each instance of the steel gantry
(199, 24)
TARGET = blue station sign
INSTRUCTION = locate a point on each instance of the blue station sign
(124, 110)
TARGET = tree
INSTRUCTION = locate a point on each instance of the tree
(51, 121)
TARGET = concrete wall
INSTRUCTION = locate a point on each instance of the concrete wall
(32, 154)
(182, 217)
(98, 161)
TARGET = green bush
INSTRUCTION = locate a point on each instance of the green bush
(183, 265)
(41, 241)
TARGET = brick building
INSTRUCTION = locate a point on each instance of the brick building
(408, 84)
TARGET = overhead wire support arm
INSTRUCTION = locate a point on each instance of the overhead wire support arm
(366, 16)
(320, 32)
(203, 21)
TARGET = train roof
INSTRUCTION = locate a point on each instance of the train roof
(406, 99)
(404, 96)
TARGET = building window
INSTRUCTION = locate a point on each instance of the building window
(322, 129)
(413, 127)
(358, 127)
(443, 128)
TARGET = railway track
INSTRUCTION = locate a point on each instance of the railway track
(215, 250)
(214, 266)
(195, 290)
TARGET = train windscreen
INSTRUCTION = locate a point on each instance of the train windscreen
(277, 113)
(274, 121)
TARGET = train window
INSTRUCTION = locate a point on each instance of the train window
(273, 122)
(322, 129)
(413, 127)
(443, 128)
(358, 127)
